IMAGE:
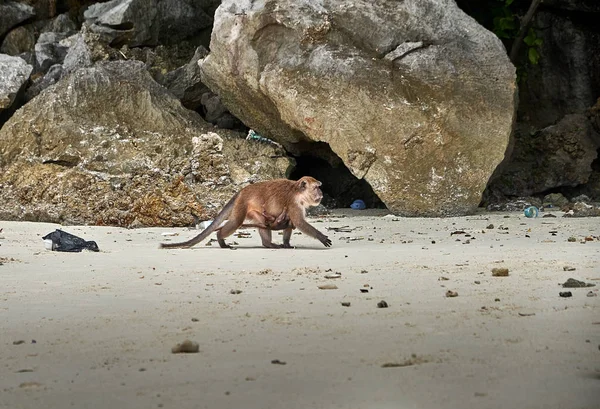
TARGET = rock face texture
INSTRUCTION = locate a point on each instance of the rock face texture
(556, 137)
(108, 145)
(414, 96)
(569, 148)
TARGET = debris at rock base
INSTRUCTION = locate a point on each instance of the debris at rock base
(413, 360)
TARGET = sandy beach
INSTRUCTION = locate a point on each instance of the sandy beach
(95, 330)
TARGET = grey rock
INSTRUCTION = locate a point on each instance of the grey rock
(50, 78)
(108, 145)
(14, 74)
(213, 107)
(181, 19)
(13, 13)
(17, 41)
(300, 72)
(581, 209)
(185, 82)
(61, 24)
(131, 22)
(581, 198)
(78, 54)
(49, 51)
(555, 200)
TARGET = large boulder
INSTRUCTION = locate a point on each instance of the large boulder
(414, 96)
(108, 145)
(14, 74)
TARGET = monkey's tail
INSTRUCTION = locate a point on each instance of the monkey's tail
(221, 217)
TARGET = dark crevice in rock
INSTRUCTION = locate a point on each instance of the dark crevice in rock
(340, 186)
(59, 162)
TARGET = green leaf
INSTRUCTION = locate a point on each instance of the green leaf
(509, 2)
(534, 56)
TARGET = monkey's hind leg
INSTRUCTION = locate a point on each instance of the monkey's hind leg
(267, 241)
(225, 231)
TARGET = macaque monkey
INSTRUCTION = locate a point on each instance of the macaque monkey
(258, 203)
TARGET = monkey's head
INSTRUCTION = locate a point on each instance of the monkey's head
(310, 191)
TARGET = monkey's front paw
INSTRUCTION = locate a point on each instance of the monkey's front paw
(325, 240)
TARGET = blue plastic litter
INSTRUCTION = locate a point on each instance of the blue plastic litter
(531, 211)
(358, 205)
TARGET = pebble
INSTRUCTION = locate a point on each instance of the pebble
(566, 294)
(382, 304)
(186, 346)
(499, 272)
(592, 294)
(328, 287)
(569, 268)
(278, 362)
(572, 239)
(477, 282)
(451, 293)
(364, 290)
(235, 291)
(572, 283)
(345, 304)
(334, 275)
(19, 342)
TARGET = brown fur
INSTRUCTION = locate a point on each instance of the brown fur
(258, 202)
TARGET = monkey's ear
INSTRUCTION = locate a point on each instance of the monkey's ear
(303, 184)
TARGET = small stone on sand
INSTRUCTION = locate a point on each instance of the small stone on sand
(499, 272)
(186, 346)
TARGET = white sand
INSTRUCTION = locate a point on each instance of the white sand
(104, 323)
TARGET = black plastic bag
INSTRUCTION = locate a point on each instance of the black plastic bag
(63, 241)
